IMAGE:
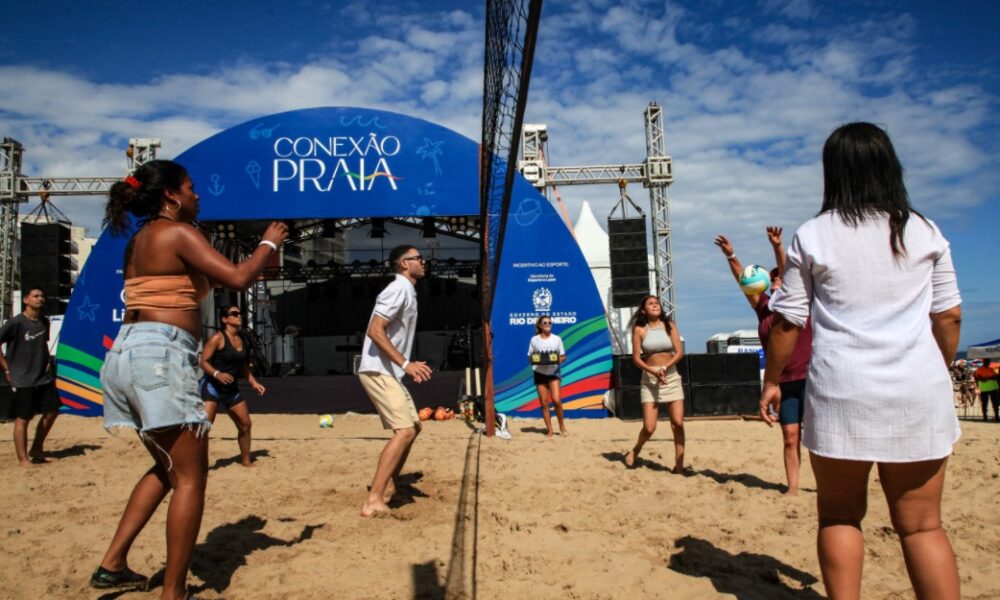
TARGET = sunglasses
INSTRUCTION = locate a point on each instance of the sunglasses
(546, 322)
(233, 313)
(417, 257)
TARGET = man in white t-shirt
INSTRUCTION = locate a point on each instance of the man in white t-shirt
(385, 358)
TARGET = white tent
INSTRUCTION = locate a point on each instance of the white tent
(593, 241)
(984, 350)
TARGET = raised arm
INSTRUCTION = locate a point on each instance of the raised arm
(774, 236)
(735, 266)
(195, 251)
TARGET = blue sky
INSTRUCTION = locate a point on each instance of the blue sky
(750, 91)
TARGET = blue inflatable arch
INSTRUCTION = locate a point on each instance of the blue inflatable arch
(362, 163)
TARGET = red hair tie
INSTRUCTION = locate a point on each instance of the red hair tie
(133, 182)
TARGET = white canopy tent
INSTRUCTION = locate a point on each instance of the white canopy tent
(984, 350)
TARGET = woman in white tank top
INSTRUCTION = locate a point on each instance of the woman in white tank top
(656, 349)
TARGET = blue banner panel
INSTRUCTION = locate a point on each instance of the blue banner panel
(337, 163)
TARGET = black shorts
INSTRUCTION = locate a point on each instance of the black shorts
(543, 379)
(26, 402)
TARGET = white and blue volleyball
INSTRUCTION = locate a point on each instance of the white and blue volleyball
(326, 421)
(755, 279)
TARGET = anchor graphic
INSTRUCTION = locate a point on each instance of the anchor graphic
(216, 189)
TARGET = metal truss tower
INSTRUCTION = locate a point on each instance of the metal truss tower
(15, 189)
(654, 173)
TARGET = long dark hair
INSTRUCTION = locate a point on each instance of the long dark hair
(861, 176)
(144, 202)
(641, 319)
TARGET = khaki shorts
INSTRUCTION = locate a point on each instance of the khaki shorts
(392, 401)
(670, 390)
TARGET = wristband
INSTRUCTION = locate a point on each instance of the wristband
(216, 374)
(269, 243)
(728, 256)
(403, 366)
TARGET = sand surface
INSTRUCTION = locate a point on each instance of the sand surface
(485, 518)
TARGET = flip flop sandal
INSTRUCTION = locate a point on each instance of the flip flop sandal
(124, 579)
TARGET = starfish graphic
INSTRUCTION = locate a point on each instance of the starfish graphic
(87, 310)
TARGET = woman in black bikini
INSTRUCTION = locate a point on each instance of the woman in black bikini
(224, 360)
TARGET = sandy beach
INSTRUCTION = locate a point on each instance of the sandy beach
(480, 518)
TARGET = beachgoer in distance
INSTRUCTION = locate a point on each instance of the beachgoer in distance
(224, 360)
(150, 375)
(28, 368)
(878, 279)
(385, 359)
(793, 378)
(547, 376)
(656, 349)
(986, 380)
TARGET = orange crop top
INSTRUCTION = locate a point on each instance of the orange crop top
(165, 292)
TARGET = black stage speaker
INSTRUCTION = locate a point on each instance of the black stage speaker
(629, 262)
(725, 399)
(715, 369)
(627, 378)
(47, 262)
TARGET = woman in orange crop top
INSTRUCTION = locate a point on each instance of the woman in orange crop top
(149, 377)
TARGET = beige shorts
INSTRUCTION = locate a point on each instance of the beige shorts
(391, 399)
(653, 390)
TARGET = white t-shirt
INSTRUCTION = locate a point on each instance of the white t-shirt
(397, 304)
(877, 387)
(553, 343)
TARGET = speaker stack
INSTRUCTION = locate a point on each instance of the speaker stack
(714, 384)
(47, 263)
(629, 261)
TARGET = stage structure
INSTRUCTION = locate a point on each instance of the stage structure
(655, 173)
(16, 189)
(330, 170)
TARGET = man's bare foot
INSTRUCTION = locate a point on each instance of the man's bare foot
(630, 457)
(548, 433)
(24, 463)
(374, 509)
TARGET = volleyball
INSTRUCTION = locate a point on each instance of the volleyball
(754, 280)
(326, 421)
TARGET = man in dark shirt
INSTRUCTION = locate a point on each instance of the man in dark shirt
(27, 366)
(793, 378)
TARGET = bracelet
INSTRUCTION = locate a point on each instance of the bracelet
(216, 374)
(269, 243)
(728, 256)
(403, 366)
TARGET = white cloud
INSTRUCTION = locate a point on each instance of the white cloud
(746, 113)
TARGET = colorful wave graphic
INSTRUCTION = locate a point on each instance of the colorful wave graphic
(78, 380)
(372, 176)
(586, 375)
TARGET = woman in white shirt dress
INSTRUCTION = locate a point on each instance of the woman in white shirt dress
(878, 280)
(548, 376)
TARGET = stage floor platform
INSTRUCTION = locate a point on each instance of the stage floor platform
(338, 394)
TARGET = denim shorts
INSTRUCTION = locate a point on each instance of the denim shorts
(150, 379)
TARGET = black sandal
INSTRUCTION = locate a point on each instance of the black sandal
(103, 579)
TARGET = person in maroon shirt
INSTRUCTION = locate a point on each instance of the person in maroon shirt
(793, 378)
